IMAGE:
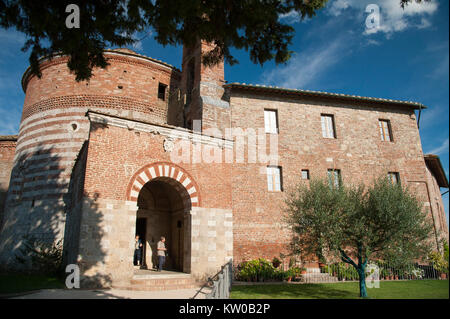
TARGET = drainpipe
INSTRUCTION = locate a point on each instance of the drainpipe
(418, 118)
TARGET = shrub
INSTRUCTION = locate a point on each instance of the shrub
(342, 270)
(45, 258)
(258, 270)
(438, 262)
(276, 262)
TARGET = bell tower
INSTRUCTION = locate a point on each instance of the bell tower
(202, 87)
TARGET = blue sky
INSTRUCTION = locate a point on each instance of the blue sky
(406, 58)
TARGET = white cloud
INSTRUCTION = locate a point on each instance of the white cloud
(441, 149)
(393, 17)
(293, 17)
(306, 67)
(290, 17)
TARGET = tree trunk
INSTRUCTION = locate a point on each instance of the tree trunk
(362, 281)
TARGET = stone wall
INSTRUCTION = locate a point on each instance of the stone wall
(7, 149)
(357, 151)
(54, 127)
(108, 215)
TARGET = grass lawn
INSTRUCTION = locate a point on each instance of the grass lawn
(14, 283)
(414, 289)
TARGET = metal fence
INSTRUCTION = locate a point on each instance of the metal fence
(309, 272)
(221, 282)
(340, 271)
(219, 285)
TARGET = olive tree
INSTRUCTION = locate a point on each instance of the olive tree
(358, 223)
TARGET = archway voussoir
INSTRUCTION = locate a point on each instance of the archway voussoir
(169, 173)
(152, 172)
(144, 177)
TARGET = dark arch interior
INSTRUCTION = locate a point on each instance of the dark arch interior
(162, 212)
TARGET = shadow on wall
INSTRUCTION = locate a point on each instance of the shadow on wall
(44, 203)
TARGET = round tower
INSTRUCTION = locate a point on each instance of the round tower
(54, 127)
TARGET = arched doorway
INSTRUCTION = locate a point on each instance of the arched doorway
(163, 212)
(165, 194)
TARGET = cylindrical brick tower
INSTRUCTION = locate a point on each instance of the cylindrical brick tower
(54, 128)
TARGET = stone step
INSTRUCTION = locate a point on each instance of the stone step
(159, 282)
(318, 277)
(155, 288)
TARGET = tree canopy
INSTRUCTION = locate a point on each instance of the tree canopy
(384, 221)
(252, 25)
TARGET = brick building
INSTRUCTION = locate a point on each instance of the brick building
(146, 148)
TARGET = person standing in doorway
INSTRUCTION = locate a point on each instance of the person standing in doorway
(137, 251)
(161, 247)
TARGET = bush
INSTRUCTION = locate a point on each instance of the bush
(276, 262)
(45, 258)
(342, 270)
(438, 262)
(258, 270)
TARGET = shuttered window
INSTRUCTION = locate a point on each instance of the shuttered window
(394, 177)
(274, 178)
(385, 130)
(270, 121)
(328, 126)
(334, 177)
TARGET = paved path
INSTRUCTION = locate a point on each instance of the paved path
(110, 294)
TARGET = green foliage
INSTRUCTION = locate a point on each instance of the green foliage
(263, 270)
(251, 25)
(445, 246)
(439, 262)
(45, 258)
(341, 270)
(384, 221)
(258, 270)
(276, 262)
(294, 272)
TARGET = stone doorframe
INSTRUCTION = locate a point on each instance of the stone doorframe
(183, 182)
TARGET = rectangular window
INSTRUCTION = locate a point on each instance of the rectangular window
(305, 174)
(162, 91)
(274, 178)
(394, 177)
(328, 130)
(385, 130)
(270, 121)
(334, 177)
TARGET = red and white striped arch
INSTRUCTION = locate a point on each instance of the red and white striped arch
(169, 173)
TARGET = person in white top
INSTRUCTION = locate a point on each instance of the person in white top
(161, 247)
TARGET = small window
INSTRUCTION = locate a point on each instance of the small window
(328, 129)
(274, 178)
(385, 130)
(394, 177)
(162, 91)
(334, 177)
(305, 174)
(270, 121)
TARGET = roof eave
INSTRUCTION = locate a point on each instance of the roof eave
(435, 165)
(286, 91)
